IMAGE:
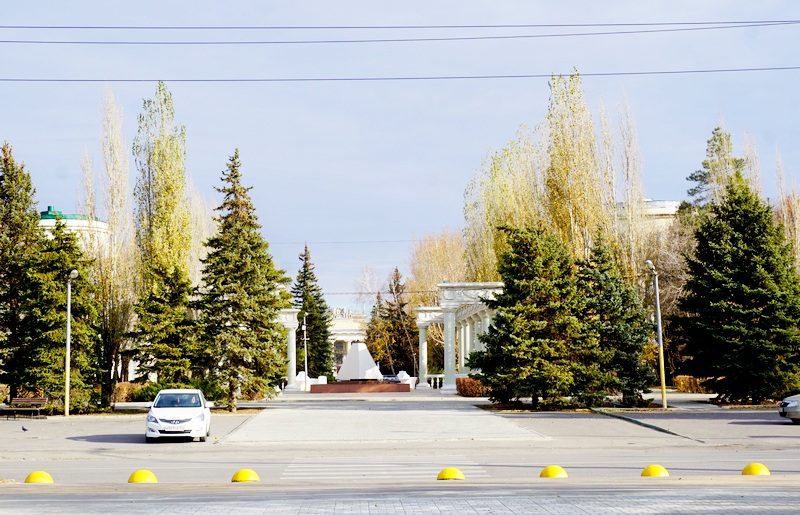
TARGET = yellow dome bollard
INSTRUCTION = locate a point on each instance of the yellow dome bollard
(39, 476)
(755, 469)
(142, 476)
(655, 470)
(450, 473)
(553, 471)
(245, 476)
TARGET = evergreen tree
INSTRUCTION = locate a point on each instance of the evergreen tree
(45, 356)
(242, 297)
(317, 316)
(392, 334)
(742, 301)
(535, 346)
(615, 315)
(378, 334)
(20, 242)
(165, 345)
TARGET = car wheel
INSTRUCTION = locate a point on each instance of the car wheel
(202, 438)
(795, 420)
(147, 439)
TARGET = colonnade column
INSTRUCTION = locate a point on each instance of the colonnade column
(423, 357)
(468, 346)
(449, 385)
(288, 317)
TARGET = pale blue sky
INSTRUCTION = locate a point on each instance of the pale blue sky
(380, 163)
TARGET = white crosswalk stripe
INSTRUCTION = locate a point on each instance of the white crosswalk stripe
(377, 468)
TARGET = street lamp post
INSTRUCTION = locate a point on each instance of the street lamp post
(72, 275)
(658, 334)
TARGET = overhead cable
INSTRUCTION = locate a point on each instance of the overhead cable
(408, 78)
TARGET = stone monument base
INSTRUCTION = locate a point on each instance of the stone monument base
(360, 387)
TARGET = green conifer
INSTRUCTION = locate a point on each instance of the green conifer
(615, 316)
(164, 329)
(45, 355)
(535, 346)
(21, 240)
(314, 311)
(742, 301)
(244, 293)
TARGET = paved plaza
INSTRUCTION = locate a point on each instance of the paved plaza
(381, 453)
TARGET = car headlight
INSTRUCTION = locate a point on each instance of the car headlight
(199, 418)
(792, 404)
(151, 418)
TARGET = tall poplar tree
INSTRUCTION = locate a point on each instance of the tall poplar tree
(742, 301)
(20, 242)
(242, 296)
(116, 269)
(162, 215)
(314, 311)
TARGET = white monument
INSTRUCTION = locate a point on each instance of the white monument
(358, 364)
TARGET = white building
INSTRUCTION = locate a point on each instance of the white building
(346, 329)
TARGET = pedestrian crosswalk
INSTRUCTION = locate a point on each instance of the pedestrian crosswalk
(360, 468)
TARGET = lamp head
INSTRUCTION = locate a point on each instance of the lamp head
(73, 274)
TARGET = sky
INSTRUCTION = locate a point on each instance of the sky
(361, 168)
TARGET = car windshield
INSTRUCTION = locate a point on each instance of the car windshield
(177, 400)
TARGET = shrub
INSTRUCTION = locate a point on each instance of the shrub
(147, 392)
(123, 392)
(471, 387)
(689, 384)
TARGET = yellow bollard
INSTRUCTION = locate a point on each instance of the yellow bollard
(655, 470)
(755, 469)
(142, 476)
(450, 473)
(553, 471)
(245, 476)
(39, 476)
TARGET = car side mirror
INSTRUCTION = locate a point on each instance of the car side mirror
(148, 405)
(210, 404)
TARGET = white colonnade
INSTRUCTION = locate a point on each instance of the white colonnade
(464, 316)
(288, 317)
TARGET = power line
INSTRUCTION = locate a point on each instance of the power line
(390, 40)
(389, 27)
(409, 78)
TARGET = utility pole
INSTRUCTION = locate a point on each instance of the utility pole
(658, 333)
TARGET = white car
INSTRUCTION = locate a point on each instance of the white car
(179, 413)
(790, 408)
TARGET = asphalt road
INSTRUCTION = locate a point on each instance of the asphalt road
(383, 455)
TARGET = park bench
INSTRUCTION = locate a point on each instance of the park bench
(24, 405)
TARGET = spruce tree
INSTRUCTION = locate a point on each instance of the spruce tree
(164, 334)
(742, 301)
(392, 334)
(535, 346)
(378, 335)
(20, 242)
(45, 355)
(243, 294)
(314, 311)
(615, 316)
